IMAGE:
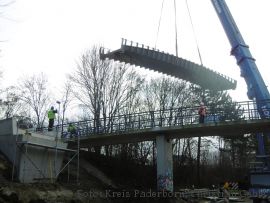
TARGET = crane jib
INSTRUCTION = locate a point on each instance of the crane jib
(255, 84)
(257, 91)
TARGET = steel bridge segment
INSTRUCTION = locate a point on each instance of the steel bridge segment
(153, 59)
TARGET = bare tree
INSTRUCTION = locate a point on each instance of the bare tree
(9, 102)
(165, 93)
(120, 96)
(89, 79)
(35, 94)
(67, 98)
(104, 87)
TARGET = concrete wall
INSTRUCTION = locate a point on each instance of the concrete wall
(8, 140)
(38, 163)
(8, 127)
(35, 157)
(8, 148)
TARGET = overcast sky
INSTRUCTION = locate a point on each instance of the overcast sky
(50, 35)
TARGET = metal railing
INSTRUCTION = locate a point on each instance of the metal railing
(181, 116)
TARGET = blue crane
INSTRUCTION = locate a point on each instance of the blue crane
(257, 90)
(256, 87)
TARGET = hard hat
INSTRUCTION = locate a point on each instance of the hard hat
(201, 103)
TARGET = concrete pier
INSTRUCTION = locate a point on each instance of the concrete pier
(164, 164)
(34, 156)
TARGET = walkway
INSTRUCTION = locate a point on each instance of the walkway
(173, 123)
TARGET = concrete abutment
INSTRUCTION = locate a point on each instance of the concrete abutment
(32, 154)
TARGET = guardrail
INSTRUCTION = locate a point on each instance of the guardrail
(164, 118)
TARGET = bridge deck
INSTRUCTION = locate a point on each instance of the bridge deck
(180, 122)
(230, 128)
(171, 65)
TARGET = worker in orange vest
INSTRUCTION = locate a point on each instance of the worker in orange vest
(202, 112)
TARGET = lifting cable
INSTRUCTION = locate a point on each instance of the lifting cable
(175, 27)
(194, 34)
(159, 22)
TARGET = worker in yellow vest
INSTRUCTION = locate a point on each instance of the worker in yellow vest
(226, 193)
(72, 130)
(51, 117)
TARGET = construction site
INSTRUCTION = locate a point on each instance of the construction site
(188, 143)
(57, 169)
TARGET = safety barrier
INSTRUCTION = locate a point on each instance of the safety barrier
(164, 118)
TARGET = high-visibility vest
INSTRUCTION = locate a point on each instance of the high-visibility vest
(71, 128)
(51, 114)
(226, 185)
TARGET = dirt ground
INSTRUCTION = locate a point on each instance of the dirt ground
(93, 186)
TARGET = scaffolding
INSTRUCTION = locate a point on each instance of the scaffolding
(23, 147)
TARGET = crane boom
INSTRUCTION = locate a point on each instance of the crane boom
(255, 84)
(260, 180)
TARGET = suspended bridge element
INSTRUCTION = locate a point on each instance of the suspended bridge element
(153, 59)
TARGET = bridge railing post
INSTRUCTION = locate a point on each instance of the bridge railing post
(170, 117)
(139, 122)
(179, 117)
(152, 119)
(160, 118)
(126, 122)
(111, 124)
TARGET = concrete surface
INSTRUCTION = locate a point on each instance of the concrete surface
(35, 156)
